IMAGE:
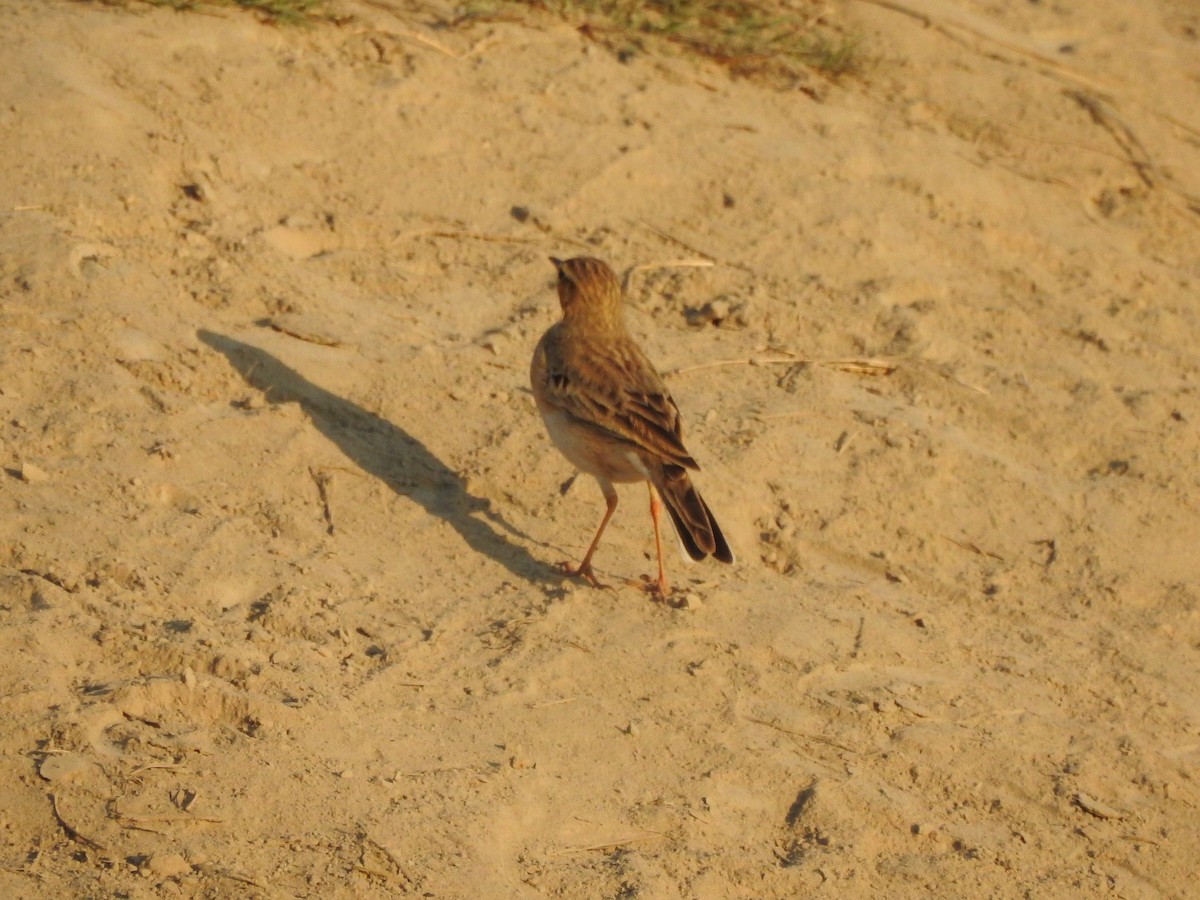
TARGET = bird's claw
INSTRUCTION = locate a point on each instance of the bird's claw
(657, 587)
(583, 571)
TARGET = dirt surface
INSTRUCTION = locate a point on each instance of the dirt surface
(279, 525)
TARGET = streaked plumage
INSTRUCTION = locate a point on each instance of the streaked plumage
(610, 414)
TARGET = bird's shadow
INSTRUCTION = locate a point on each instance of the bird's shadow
(387, 452)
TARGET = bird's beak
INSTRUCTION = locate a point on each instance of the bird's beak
(557, 262)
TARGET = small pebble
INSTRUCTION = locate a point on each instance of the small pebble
(167, 865)
(32, 474)
(62, 766)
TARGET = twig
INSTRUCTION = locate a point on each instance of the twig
(1056, 69)
(800, 734)
(147, 829)
(306, 336)
(374, 873)
(1051, 546)
(234, 876)
(425, 41)
(974, 548)
(612, 845)
(1105, 117)
(322, 480)
(391, 856)
(146, 768)
(945, 26)
(468, 235)
(71, 831)
(667, 236)
(134, 821)
(546, 703)
(1094, 807)
(857, 366)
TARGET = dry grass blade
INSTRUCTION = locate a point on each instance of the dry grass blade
(1097, 808)
(425, 41)
(543, 704)
(290, 12)
(464, 235)
(871, 367)
(949, 27)
(310, 337)
(1103, 115)
(613, 845)
(1099, 107)
(677, 241)
(749, 37)
(235, 876)
(800, 734)
(151, 766)
(135, 821)
(323, 479)
(71, 831)
(974, 548)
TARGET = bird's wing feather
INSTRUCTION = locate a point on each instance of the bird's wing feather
(611, 385)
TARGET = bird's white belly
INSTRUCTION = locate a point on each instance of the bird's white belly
(607, 458)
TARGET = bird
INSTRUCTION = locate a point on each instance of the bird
(609, 413)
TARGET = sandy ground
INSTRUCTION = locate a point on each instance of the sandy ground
(279, 612)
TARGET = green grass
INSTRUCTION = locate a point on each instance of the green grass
(286, 11)
(751, 37)
(747, 36)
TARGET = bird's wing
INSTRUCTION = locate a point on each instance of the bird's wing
(610, 385)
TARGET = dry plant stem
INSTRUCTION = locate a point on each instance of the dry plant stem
(859, 366)
(613, 845)
(391, 857)
(71, 831)
(149, 766)
(800, 734)
(1096, 106)
(1056, 68)
(134, 821)
(464, 235)
(948, 27)
(425, 41)
(667, 236)
(276, 325)
(322, 480)
(1103, 116)
(974, 548)
(236, 876)
(546, 703)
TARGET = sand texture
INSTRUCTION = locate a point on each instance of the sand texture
(279, 524)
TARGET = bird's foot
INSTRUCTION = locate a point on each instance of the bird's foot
(584, 571)
(658, 588)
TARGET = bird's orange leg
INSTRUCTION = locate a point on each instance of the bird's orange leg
(584, 569)
(655, 510)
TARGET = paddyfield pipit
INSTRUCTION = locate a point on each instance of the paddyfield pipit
(610, 414)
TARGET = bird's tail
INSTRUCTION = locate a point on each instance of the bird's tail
(694, 522)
